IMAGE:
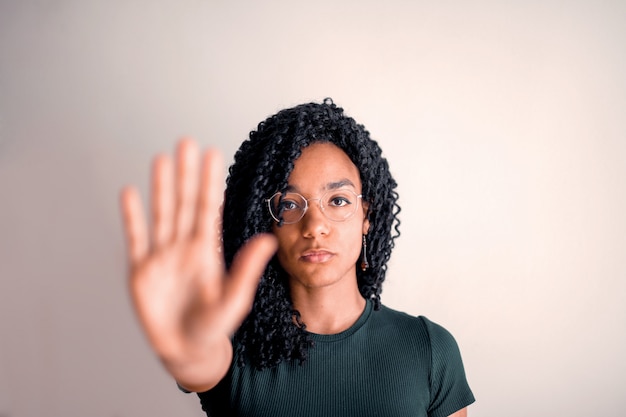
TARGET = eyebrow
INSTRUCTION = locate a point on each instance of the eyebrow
(330, 186)
(338, 184)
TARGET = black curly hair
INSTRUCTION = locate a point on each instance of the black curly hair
(270, 335)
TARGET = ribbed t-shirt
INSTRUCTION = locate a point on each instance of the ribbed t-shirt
(387, 364)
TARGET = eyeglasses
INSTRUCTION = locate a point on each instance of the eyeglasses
(337, 205)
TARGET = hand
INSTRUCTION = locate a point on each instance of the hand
(187, 304)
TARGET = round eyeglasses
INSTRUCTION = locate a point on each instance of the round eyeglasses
(289, 208)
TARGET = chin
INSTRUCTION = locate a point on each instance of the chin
(320, 278)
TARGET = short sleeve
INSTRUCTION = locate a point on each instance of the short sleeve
(449, 390)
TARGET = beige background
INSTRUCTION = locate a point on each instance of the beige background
(504, 123)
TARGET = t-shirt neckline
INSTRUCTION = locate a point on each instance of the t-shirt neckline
(324, 338)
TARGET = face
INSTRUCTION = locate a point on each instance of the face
(318, 252)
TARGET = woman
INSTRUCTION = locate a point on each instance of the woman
(282, 314)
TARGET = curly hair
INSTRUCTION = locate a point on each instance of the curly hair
(262, 165)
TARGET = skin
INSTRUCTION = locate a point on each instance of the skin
(187, 303)
(318, 254)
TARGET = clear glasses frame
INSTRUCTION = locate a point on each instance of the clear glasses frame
(332, 209)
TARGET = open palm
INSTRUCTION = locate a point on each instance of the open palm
(186, 302)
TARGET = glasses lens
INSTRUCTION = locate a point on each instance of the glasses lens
(339, 205)
(289, 207)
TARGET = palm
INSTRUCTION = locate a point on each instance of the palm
(181, 292)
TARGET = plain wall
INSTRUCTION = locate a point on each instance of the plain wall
(504, 124)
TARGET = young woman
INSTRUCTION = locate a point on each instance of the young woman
(270, 304)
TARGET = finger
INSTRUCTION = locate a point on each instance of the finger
(244, 275)
(186, 186)
(210, 199)
(135, 227)
(162, 200)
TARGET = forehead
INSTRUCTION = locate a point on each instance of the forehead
(320, 165)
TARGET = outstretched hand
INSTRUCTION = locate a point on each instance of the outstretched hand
(186, 302)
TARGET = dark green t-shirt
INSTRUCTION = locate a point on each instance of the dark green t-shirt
(387, 364)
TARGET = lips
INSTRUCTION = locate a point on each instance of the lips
(316, 256)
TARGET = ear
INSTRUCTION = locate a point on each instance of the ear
(366, 221)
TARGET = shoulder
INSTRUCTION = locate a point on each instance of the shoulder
(448, 387)
(440, 338)
(421, 330)
(386, 314)
(390, 320)
(389, 316)
(417, 330)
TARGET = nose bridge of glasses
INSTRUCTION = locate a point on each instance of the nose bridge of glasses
(314, 219)
(308, 200)
(308, 205)
(334, 213)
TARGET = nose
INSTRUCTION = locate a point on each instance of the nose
(314, 223)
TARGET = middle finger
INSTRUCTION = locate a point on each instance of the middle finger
(186, 187)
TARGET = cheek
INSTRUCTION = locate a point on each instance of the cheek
(285, 242)
(352, 241)
(281, 253)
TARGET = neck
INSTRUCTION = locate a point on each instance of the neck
(326, 310)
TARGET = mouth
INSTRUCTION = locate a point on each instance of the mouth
(316, 256)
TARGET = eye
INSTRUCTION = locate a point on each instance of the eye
(339, 201)
(287, 205)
